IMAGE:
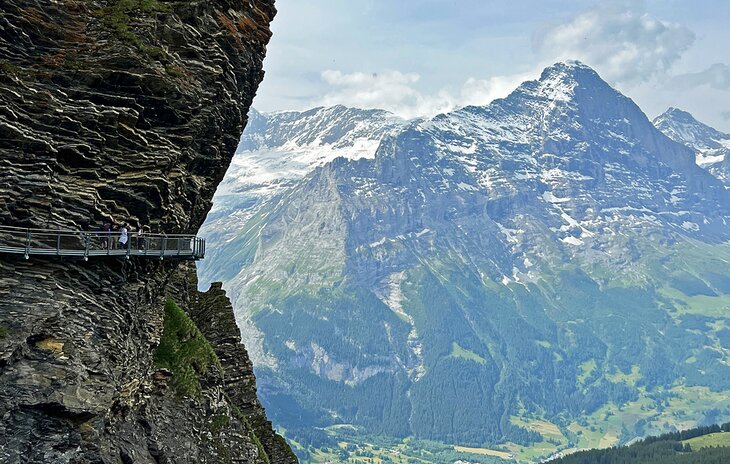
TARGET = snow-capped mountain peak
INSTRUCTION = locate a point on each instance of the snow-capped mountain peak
(336, 126)
(682, 127)
(710, 145)
(278, 149)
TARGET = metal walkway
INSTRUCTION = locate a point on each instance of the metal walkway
(82, 244)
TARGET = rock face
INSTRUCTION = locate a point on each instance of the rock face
(213, 314)
(123, 110)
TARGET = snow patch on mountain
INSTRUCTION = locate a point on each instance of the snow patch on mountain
(276, 150)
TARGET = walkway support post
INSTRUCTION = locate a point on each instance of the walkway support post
(163, 246)
(27, 244)
(86, 247)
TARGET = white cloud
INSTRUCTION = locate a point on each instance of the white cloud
(623, 43)
(392, 90)
(396, 92)
(716, 76)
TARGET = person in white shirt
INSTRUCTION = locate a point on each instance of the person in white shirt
(123, 237)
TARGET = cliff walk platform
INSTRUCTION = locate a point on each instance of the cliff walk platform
(86, 244)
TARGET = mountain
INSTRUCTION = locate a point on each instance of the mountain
(710, 145)
(547, 270)
(275, 151)
(122, 111)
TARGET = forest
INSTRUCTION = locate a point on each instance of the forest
(701, 445)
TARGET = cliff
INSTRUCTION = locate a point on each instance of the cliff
(123, 110)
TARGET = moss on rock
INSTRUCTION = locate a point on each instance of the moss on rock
(119, 15)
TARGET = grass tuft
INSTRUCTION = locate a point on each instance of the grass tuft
(218, 423)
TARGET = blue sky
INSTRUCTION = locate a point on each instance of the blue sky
(420, 57)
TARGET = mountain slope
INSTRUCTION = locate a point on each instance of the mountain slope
(710, 145)
(275, 151)
(551, 256)
(702, 445)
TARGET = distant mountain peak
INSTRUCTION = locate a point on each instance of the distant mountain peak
(572, 71)
(338, 125)
(569, 96)
(710, 145)
(678, 115)
(677, 111)
(681, 126)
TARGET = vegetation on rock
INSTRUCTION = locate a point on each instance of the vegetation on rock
(118, 15)
(184, 351)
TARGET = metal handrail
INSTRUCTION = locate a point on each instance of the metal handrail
(95, 231)
(85, 244)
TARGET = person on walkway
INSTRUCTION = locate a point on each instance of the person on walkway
(140, 237)
(123, 237)
(112, 233)
(105, 230)
(100, 234)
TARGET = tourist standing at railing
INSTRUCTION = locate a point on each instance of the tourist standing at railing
(140, 237)
(100, 234)
(113, 229)
(123, 236)
(105, 231)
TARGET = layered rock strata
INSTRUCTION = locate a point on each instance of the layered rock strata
(123, 110)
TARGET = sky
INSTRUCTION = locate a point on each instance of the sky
(423, 57)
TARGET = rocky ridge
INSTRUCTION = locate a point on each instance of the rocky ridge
(121, 110)
(711, 146)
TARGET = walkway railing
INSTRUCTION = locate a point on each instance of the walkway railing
(84, 244)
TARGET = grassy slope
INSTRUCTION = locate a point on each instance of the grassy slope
(661, 408)
(714, 439)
